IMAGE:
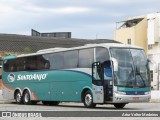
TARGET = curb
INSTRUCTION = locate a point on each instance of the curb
(155, 101)
(6, 101)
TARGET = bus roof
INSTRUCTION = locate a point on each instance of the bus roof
(51, 50)
(9, 57)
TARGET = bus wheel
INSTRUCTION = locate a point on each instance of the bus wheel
(26, 98)
(88, 100)
(54, 103)
(18, 97)
(119, 105)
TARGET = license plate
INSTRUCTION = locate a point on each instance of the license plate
(135, 98)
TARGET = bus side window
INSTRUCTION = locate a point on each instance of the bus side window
(20, 68)
(13, 68)
(43, 62)
(102, 54)
(47, 65)
(86, 58)
(58, 60)
(26, 66)
(39, 64)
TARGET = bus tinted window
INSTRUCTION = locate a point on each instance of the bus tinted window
(71, 59)
(58, 60)
(86, 58)
(6, 65)
(29, 63)
(102, 54)
(9, 65)
(19, 64)
(62, 60)
(43, 62)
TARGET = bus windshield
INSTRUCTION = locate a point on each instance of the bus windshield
(132, 67)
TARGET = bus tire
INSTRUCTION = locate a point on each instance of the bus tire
(26, 98)
(18, 97)
(88, 100)
(54, 103)
(119, 105)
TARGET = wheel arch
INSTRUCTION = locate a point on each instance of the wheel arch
(85, 89)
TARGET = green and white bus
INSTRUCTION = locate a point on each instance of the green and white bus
(93, 74)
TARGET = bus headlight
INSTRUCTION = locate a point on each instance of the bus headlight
(146, 93)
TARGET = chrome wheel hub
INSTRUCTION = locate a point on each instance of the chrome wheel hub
(18, 97)
(88, 99)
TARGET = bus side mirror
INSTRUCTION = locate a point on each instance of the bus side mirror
(115, 64)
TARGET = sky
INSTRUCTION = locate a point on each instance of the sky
(86, 19)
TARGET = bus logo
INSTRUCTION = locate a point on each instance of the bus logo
(11, 77)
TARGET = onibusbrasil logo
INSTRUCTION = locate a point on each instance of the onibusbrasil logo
(11, 77)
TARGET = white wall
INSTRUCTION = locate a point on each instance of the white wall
(153, 31)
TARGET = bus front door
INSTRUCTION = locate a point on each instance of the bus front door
(98, 82)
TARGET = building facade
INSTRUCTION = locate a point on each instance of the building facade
(143, 31)
(51, 34)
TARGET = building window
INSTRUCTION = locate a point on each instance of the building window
(151, 75)
(129, 41)
(150, 47)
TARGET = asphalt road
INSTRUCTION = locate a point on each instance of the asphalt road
(10, 106)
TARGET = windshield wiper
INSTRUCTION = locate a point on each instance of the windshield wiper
(130, 78)
(138, 73)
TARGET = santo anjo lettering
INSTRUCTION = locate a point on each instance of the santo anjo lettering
(32, 77)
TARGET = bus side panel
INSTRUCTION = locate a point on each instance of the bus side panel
(57, 85)
(41, 91)
(68, 85)
(7, 92)
(7, 87)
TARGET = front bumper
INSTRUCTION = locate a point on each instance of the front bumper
(131, 98)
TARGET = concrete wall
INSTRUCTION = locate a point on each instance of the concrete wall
(141, 34)
(123, 34)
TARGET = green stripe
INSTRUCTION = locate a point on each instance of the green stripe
(133, 89)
